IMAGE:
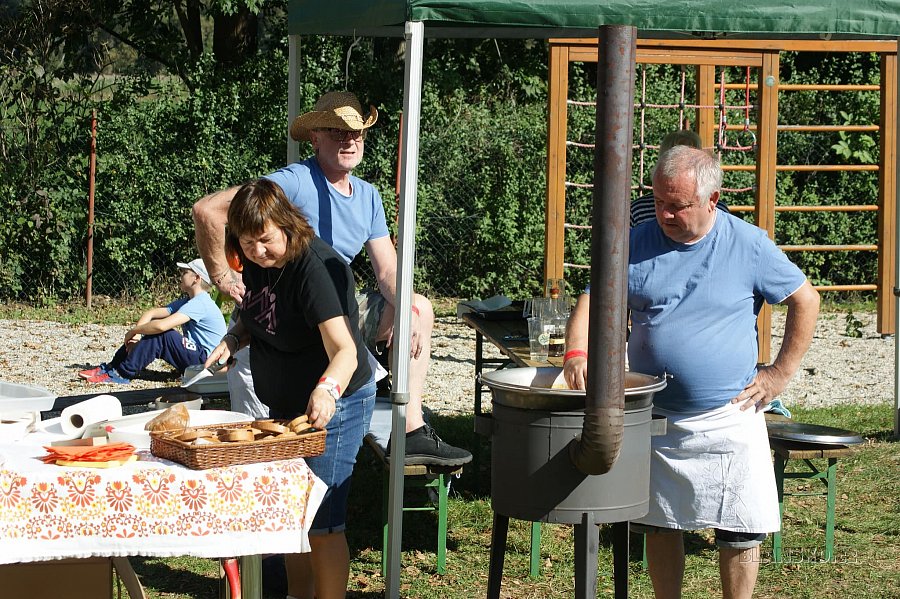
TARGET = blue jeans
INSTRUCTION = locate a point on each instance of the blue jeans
(171, 346)
(346, 429)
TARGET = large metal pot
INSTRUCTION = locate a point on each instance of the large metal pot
(531, 426)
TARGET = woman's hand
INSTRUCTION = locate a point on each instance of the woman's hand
(221, 354)
(321, 407)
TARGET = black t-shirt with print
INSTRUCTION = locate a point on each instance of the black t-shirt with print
(282, 311)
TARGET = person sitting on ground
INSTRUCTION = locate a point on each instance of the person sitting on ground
(643, 208)
(347, 213)
(155, 336)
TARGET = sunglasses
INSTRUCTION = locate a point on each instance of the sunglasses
(342, 135)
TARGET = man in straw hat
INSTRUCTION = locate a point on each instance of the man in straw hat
(348, 213)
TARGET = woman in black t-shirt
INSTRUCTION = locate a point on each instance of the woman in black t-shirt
(299, 316)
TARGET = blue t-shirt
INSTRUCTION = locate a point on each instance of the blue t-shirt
(694, 308)
(206, 325)
(346, 223)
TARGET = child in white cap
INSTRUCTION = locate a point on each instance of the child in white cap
(155, 334)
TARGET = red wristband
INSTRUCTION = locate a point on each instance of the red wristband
(416, 310)
(574, 353)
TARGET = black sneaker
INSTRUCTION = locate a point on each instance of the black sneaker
(424, 447)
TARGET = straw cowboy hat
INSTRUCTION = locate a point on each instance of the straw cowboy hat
(334, 110)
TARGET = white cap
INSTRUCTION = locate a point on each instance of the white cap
(198, 267)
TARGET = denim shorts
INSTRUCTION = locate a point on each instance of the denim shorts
(346, 429)
(728, 539)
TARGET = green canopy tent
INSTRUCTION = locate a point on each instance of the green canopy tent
(541, 19)
(580, 18)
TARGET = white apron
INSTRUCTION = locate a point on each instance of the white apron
(713, 470)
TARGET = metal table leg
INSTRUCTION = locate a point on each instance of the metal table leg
(779, 485)
(499, 533)
(535, 561)
(831, 484)
(621, 549)
(587, 544)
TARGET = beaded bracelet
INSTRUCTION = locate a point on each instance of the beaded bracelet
(217, 281)
(574, 353)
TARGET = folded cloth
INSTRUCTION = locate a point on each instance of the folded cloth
(776, 406)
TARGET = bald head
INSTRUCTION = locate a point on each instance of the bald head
(698, 164)
(686, 184)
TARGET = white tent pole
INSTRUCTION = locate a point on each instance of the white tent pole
(896, 286)
(406, 251)
(293, 147)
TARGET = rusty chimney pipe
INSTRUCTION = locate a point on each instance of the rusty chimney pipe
(604, 420)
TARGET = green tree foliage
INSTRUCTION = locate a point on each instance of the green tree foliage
(43, 118)
(179, 119)
(829, 188)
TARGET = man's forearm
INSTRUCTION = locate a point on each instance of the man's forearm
(387, 285)
(210, 215)
(577, 326)
(799, 328)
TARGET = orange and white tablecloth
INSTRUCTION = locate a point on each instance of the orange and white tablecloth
(151, 507)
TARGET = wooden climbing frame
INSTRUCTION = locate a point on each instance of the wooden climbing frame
(763, 56)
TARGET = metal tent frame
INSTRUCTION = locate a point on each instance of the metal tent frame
(543, 19)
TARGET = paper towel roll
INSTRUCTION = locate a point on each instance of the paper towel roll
(75, 419)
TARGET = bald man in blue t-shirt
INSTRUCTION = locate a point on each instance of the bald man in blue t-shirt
(697, 278)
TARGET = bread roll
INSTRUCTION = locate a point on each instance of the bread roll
(171, 419)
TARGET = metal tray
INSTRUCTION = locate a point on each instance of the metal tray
(811, 433)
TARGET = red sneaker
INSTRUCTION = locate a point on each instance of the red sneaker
(109, 377)
(90, 372)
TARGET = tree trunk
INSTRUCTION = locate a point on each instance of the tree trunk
(235, 37)
(189, 18)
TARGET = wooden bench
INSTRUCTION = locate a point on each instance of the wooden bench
(432, 478)
(792, 450)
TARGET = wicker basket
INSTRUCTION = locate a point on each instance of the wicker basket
(215, 455)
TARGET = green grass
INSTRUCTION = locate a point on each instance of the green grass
(102, 311)
(124, 310)
(867, 547)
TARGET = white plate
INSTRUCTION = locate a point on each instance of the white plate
(137, 436)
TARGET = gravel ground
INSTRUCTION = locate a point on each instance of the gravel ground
(837, 369)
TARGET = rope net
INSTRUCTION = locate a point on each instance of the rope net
(654, 117)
